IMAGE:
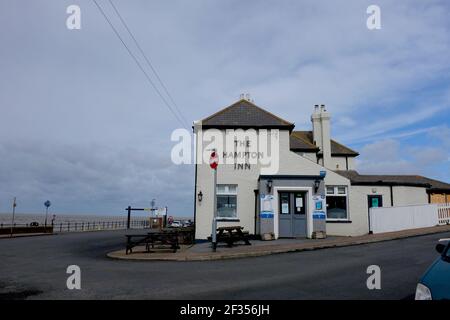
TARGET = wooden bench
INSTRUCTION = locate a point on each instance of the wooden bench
(186, 235)
(134, 240)
(161, 239)
(231, 235)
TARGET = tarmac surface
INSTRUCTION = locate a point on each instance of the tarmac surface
(35, 268)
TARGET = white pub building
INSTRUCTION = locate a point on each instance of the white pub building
(275, 180)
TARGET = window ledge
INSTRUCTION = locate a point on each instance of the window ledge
(339, 221)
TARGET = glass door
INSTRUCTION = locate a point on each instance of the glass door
(285, 215)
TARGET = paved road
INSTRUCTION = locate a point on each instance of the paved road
(34, 268)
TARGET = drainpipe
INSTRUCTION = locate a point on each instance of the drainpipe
(256, 209)
(392, 197)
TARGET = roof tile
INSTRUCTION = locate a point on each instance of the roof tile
(245, 114)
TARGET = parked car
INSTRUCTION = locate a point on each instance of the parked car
(187, 223)
(175, 224)
(435, 283)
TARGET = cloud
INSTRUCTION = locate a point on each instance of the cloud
(391, 157)
(384, 157)
(442, 134)
(80, 122)
(84, 178)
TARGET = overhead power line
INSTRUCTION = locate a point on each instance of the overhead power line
(148, 61)
(138, 63)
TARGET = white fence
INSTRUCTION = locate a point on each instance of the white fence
(443, 213)
(389, 219)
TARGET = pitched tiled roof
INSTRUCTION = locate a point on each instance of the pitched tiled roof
(402, 180)
(245, 114)
(303, 141)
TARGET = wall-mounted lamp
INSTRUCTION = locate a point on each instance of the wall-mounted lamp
(316, 185)
(269, 185)
(200, 196)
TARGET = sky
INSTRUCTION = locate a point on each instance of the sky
(81, 125)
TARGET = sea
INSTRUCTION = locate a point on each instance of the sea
(26, 218)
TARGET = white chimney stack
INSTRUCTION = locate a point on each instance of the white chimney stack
(321, 132)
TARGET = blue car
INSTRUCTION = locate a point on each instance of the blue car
(435, 283)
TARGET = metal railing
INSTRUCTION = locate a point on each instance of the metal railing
(80, 226)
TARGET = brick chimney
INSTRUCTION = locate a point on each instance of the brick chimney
(321, 132)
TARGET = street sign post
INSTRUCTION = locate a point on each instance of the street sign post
(13, 215)
(214, 163)
(46, 204)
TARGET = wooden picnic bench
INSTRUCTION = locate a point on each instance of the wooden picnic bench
(230, 235)
(185, 234)
(161, 239)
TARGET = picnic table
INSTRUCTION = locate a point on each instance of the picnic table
(162, 239)
(185, 234)
(230, 235)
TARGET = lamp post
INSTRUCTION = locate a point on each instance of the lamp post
(46, 204)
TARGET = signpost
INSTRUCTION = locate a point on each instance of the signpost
(13, 215)
(214, 163)
(129, 209)
(152, 209)
(46, 204)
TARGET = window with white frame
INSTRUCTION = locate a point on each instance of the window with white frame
(226, 200)
(337, 203)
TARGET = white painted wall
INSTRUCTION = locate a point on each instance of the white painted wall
(358, 211)
(351, 163)
(404, 196)
(403, 218)
(290, 164)
(338, 163)
(308, 155)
